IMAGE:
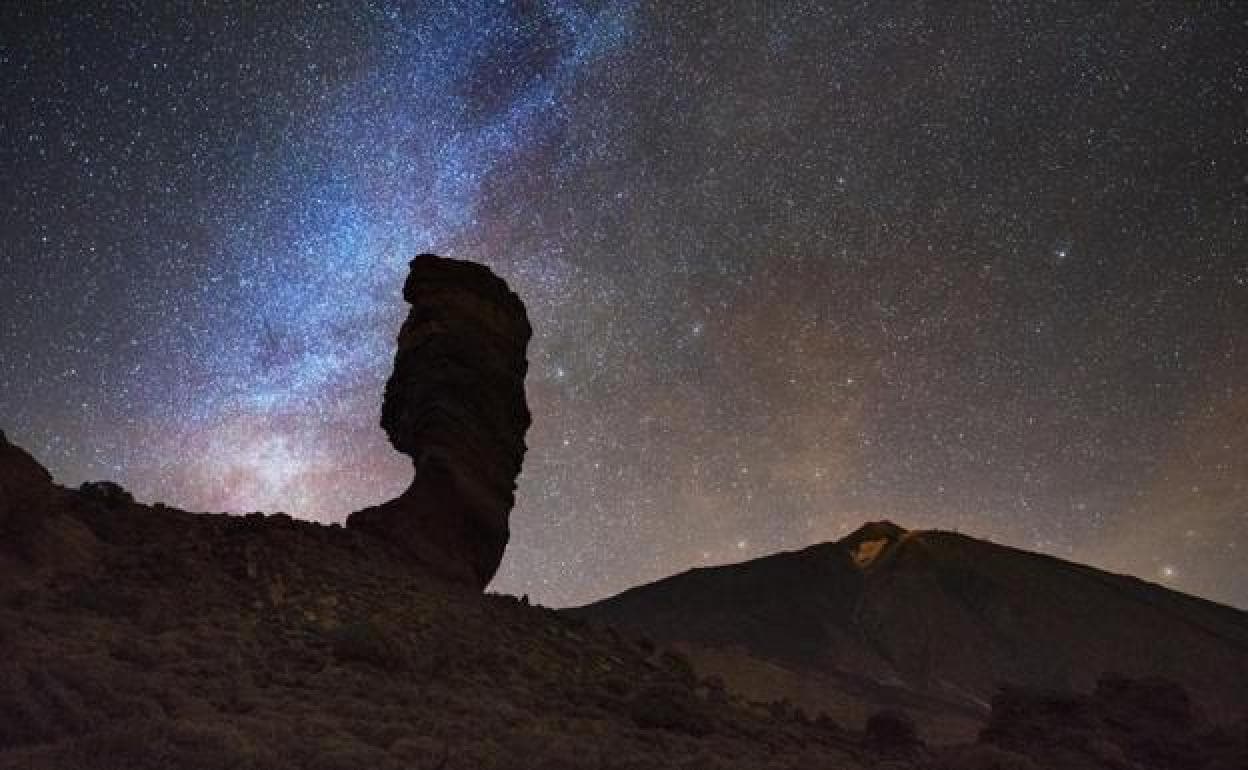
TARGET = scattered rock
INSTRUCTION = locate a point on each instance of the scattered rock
(982, 756)
(1150, 702)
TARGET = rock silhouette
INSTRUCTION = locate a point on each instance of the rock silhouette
(455, 404)
(1129, 723)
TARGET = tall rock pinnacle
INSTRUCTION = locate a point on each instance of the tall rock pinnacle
(455, 404)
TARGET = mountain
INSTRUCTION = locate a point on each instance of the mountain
(934, 623)
(138, 636)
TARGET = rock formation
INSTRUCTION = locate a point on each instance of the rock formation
(38, 528)
(23, 482)
(932, 623)
(455, 404)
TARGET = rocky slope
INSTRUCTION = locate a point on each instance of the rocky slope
(936, 623)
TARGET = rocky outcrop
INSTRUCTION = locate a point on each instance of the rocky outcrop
(20, 476)
(38, 527)
(24, 486)
(455, 404)
(109, 494)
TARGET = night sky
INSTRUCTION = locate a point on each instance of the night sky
(791, 266)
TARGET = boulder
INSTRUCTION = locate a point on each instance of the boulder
(108, 494)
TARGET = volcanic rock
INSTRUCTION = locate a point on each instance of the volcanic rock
(24, 489)
(455, 404)
(892, 731)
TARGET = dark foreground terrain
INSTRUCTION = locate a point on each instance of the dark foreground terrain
(147, 637)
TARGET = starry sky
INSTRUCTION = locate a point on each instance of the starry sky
(791, 266)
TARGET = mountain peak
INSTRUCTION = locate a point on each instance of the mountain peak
(871, 541)
(874, 530)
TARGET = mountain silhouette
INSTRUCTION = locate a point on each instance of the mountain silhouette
(935, 622)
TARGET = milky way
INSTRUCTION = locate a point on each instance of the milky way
(791, 266)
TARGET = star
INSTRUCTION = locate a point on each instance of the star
(773, 267)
